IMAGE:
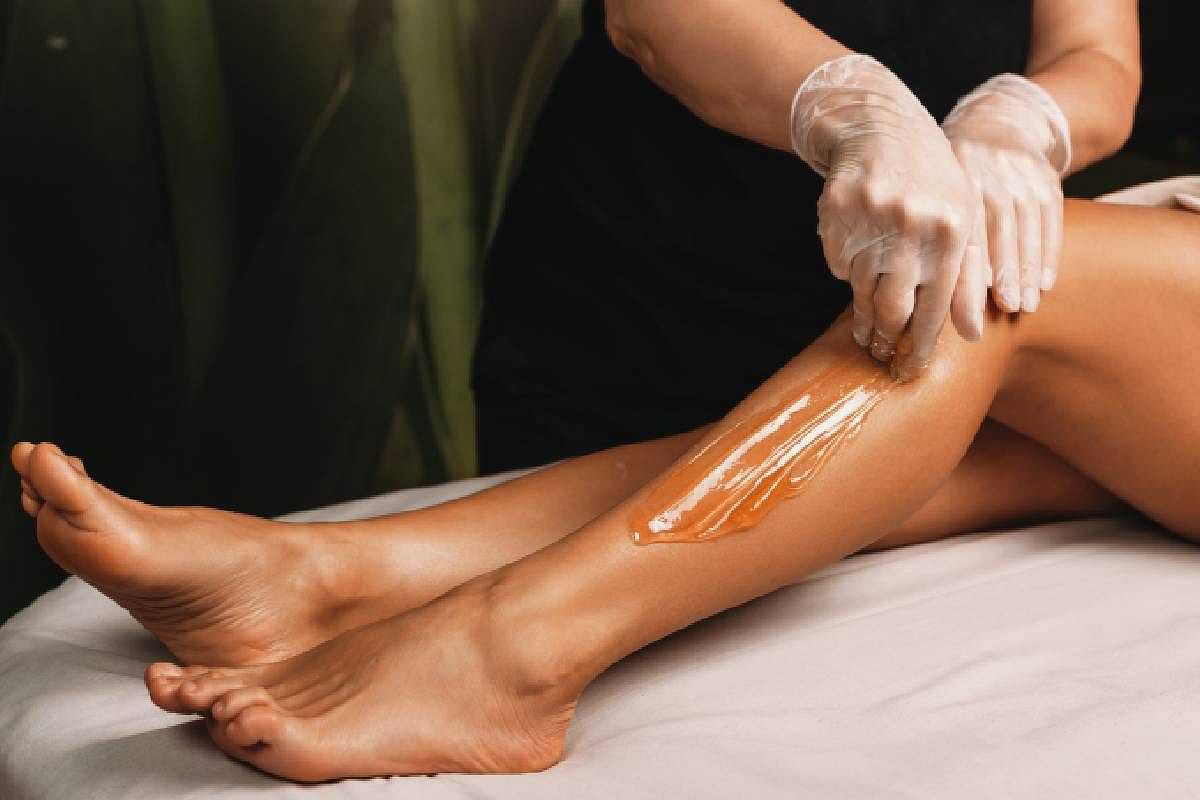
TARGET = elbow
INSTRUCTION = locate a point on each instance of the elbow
(1122, 129)
(1116, 133)
(1104, 140)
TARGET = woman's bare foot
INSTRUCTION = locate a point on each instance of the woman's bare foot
(438, 689)
(214, 587)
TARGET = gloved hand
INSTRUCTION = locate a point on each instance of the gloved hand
(1013, 142)
(897, 211)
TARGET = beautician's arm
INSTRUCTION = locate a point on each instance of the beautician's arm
(1086, 54)
(897, 209)
(1016, 137)
(735, 63)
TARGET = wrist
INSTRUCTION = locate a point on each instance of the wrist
(1013, 109)
(845, 98)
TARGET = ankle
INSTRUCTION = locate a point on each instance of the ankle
(331, 571)
(546, 647)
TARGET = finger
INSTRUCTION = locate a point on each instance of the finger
(979, 239)
(928, 319)
(1052, 237)
(1002, 251)
(832, 242)
(970, 295)
(1029, 240)
(933, 306)
(894, 300)
(833, 229)
(864, 280)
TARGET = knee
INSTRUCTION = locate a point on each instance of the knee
(624, 31)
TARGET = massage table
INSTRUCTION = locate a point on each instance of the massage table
(1055, 661)
(1058, 661)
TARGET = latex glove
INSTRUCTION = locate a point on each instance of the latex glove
(896, 212)
(1013, 142)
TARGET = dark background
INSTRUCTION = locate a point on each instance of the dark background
(236, 319)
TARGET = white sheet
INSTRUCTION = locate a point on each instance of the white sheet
(1060, 661)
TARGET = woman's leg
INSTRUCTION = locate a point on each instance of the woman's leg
(227, 588)
(1107, 379)
(485, 678)
(1005, 479)
(223, 588)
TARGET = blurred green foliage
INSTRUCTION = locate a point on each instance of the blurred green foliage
(241, 242)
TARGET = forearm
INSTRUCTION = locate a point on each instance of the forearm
(1086, 54)
(1098, 96)
(734, 63)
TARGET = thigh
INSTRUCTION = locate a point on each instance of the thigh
(1106, 374)
(1005, 479)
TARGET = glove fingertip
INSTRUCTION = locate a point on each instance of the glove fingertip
(1007, 298)
(972, 331)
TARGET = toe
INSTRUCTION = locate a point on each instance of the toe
(276, 743)
(53, 477)
(199, 693)
(20, 457)
(28, 489)
(30, 505)
(162, 682)
(164, 693)
(233, 703)
(77, 465)
(256, 725)
(163, 669)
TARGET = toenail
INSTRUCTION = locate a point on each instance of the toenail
(219, 706)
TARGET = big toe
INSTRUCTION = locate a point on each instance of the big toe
(256, 725)
(58, 481)
(275, 742)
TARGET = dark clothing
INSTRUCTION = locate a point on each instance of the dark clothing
(651, 270)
